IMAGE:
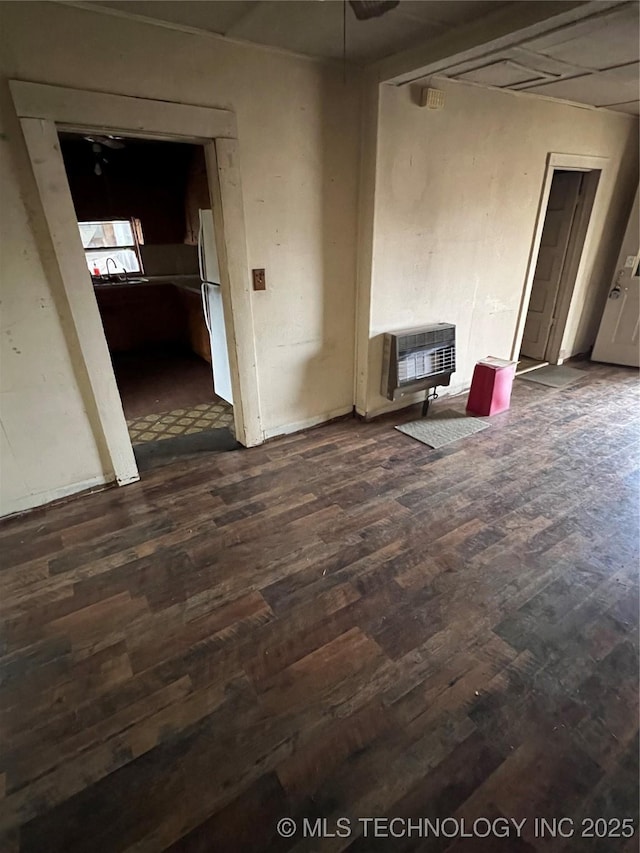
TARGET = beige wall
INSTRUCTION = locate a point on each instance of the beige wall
(455, 208)
(298, 128)
(46, 447)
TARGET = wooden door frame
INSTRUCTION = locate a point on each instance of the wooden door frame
(44, 110)
(581, 233)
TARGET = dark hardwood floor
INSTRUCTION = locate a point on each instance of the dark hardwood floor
(342, 623)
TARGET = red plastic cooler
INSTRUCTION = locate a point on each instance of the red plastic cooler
(491, 386)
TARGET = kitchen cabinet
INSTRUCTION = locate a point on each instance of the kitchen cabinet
(198, 334)
(139, 316)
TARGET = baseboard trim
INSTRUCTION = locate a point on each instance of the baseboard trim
(61, 494)
(299, 426)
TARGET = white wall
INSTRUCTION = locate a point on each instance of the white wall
(456, 200)
(46, 447)
(298, 128)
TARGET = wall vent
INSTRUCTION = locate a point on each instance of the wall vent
(418, 359)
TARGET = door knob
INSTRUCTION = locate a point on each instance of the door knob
(614, 293)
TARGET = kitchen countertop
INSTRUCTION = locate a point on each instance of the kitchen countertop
(186, 282)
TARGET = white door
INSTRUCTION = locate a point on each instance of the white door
(617, 341)
(563, 200)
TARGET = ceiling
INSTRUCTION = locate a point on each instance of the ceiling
(592, 61)
(315, 27)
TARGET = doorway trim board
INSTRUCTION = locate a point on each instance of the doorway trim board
(594, 169)
(44, 110)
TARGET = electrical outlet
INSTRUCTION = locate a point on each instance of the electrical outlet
(259, 281)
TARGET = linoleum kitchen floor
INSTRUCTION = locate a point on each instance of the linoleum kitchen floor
(181, 422)
(161, 380)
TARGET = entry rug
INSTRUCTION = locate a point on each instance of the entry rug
(164, 425)
(443, 428)
(554, 375)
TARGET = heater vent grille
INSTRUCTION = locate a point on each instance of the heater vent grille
(416, 359)
(426, 362)
(424, 338)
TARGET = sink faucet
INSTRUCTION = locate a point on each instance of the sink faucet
(115, 267)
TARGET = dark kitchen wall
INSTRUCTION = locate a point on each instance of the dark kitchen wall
(144, 179)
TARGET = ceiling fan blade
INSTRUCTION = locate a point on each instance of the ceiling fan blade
(366, 9)
(107, 141)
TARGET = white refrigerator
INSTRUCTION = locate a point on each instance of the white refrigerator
(212, 306)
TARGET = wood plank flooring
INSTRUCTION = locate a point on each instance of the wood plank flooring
(341, 623)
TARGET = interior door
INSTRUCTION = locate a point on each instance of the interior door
(563, 200)
(617, 341)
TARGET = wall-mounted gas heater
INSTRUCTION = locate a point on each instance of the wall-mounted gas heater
(418, 360)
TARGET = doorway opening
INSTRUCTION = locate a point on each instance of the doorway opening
(144, 214)
(564, 229)
(43, 111)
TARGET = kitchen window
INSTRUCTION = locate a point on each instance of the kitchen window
(118, 239)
